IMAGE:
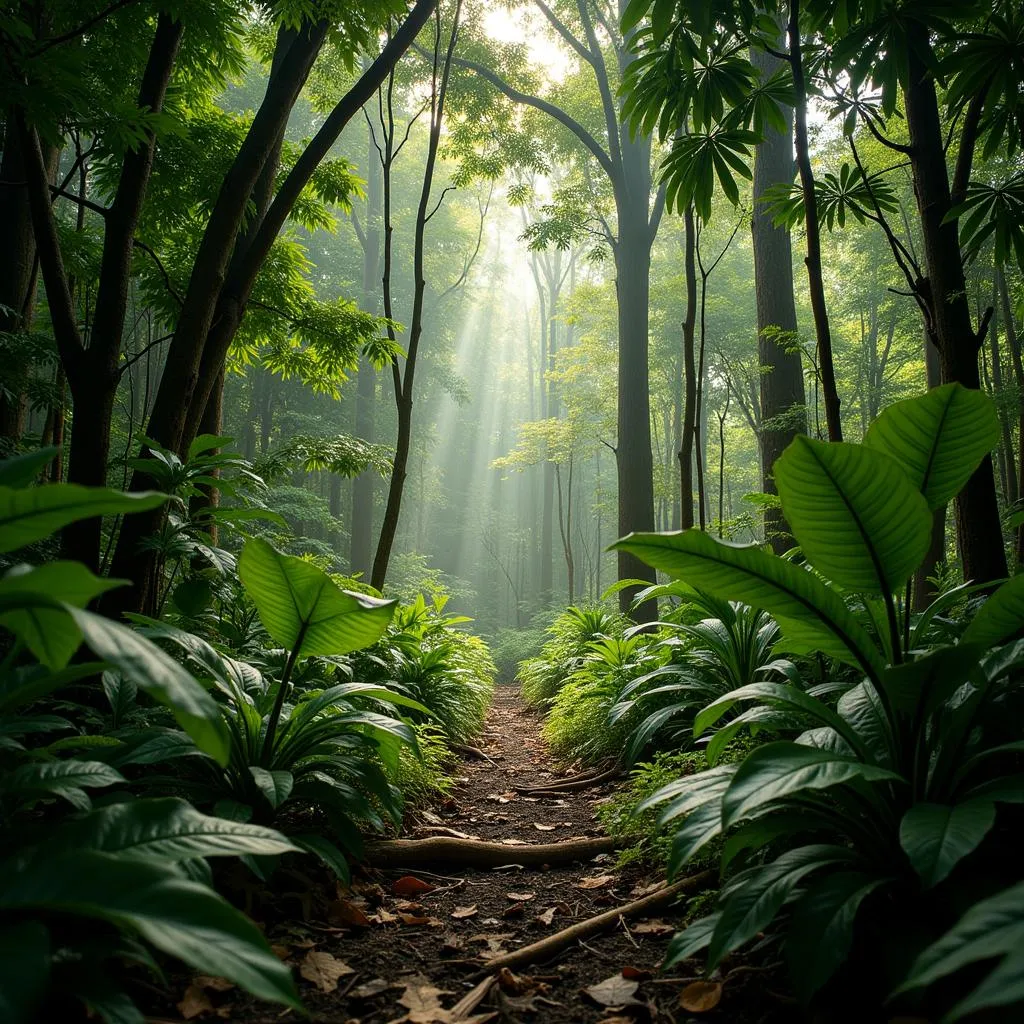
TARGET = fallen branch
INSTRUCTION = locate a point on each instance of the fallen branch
(475, 752)
(553, 944)
(569, 785)
(473, 853)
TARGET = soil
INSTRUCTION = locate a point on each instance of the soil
(404, 944)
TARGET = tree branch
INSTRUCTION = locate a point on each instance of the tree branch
(82, 29)
(563, 30)
(968, 140)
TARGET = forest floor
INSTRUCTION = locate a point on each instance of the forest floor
(404, 944)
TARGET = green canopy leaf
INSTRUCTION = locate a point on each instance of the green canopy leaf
(936, 838)
(999, 618)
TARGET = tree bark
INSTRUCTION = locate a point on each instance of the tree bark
(783, 399)
(689, 373)
(1013, 344)
(925, 591)
(979, 532)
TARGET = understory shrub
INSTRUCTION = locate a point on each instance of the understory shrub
(511, 647)
(877, 843)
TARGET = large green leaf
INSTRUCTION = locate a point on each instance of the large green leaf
(67, 779)
(29, 515)
(23, 470)
(936, 838)
(302, 608)
(1000, 617)
(854, 512)
(810, 613)
(276, 786)
(180, 917)
(43, 626)
(780, 769)
(938, 438)
(164, 829)
(992, 928)
(156, 672)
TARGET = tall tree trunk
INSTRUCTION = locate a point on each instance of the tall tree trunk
(1013, 344)
(924, 590)
(815, 279)
(783, 399)
(689, 426)
(979, 532)
(1009, 466)
(361, 525)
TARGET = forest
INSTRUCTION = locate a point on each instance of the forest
(511, 510)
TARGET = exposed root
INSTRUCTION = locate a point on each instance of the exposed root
(570, 785)
(548, 947)
(473, 853)
(474, 752)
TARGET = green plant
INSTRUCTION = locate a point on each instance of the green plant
(87, 888)
(879, 813)
(542, 677)
(318, 752)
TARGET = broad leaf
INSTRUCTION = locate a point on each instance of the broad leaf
(938, 438)
(936, 838)
(1000, 617)
(42, 625)
(808, 611)
(67, 779)
(276, 786)
(854, 512)
(29, 515)
(696, 937)
(780, 769)
(161, 677)
(328, 853)
(180, 917)
(23, 470)
(165, 829)
(302, 608)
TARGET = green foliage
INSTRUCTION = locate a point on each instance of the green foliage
(885, 801)
(511, 647)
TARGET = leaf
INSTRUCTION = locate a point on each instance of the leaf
(461, 913)
(36, 512)
(1000, 617)
(809, 612)
(410, 885)
(194, 1003)
(857, 516)
(302, 608)
(67, 779)
(782, 768)
(328, 853)
(23, 470)
(344, 912)
(165, 828)
(595, 881)
(938, 438)
(180, 917)
(544, 828)
(613, 991)
(31, 599)
(276, 786)
(701, 996)
(161, 677)
(654, 927)
(936, 838)
(323, 970)
(520, 897)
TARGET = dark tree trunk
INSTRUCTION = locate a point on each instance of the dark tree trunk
(1008, 467)
(924, 590)
(689, 426)
(361, 526)
(1013, 345)
(783, 399)
(979, 532)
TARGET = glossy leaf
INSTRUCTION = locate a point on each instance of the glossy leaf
(936, 838)
(302, 608)
(999, 618)
(23, 470)
(854, 512)
(938, 438)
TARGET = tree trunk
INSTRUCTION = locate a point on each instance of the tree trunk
(783, 399)
(1007, 463)
(689, 374)
(979, 532)
(361, 526)
(925, 591)
(1013, 344)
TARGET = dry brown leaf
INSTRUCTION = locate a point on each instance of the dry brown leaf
(345, 913)
(515, 984)
(461, 913)
(701, 996)
(544, 828)
(194, 1003)
(637, 973)
(384, 917)
(217, 984)
(420, 998)
(519, 897)
(409, 885)
(515, 910)
(652, 927)
(226, 1012)
(370, 989)
(546, 916)
(280, 950)
(323, 970)
(494, 941)
(595, 881)
(513, 842)
(646, 890)
(410, 907)
(613, 991)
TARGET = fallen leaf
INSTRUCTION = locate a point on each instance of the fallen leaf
(217, 984)
(652, 927)
(515, 984)
(384, 917)
(544, 828)
(420, 998)
(520, 897)
(515, 910)
(410, 907)
(513, 842)
(323, 970)
(613, 991)
(637, 973)
(546, 916)
(226, 1012)
(494, 941)
(701, 996)
(194, 1002)
(646, 890)
(370, 989)
(346, 913)
(409, 885)
(281, 951)
(595, 881)
(463, 912)
(413, 919)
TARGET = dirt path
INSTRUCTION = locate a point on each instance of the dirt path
(404, 944)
